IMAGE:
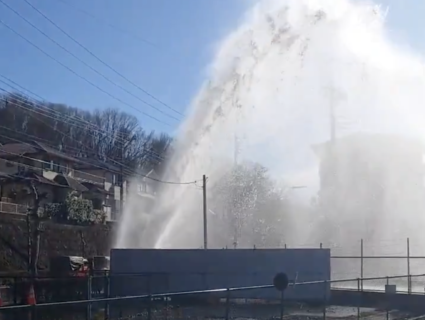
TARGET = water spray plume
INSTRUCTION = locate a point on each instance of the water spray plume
(276, 82)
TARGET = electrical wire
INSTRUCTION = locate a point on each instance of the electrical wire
(138, 174)
(42, 106)
(118, 163)
(43, 141)
(99, 59)
(37, 160)
(85, 63)
(46, 112)
(77, 74)
(110, 25)
(148, 152)
(87, 163)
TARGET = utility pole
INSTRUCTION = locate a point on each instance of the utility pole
(204, 191)
(334, 97)
(122, 181)
(332, 117)
(236, 150)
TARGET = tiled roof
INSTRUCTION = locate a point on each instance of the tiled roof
(57, 153)
(98, 164)
(29, 175)
(16, 149)
(11, 150)
(21, 149)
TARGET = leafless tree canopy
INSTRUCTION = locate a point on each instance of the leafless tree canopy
(109, 135)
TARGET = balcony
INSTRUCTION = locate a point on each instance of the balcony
(145, 190)
(13, 208)
(88, 177)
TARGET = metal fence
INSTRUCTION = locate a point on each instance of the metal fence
(13, 208)
(91, 299)
(360, 264)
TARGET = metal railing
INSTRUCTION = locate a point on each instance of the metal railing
(221, 303)
(13, 208)
(366, 265)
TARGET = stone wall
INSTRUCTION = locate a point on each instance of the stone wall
(56, 239)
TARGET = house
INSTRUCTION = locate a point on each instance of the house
(94, 180)
(147, 188)
(366, 179)
(360, 159)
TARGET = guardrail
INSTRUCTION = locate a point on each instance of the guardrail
(201, 304)
(13, 208)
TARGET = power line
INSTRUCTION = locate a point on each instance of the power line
(110, 25)
(43, 107)
(63, 134)
(99, 59)
(117, 162)
(87, 163)
(78, 75)
(38, 160)
(85, 63)
(44, 141)
(65, 120)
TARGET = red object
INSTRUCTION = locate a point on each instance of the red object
(31, 296)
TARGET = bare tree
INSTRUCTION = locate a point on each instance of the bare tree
(109, 135)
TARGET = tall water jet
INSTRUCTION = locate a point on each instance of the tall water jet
(273, 83)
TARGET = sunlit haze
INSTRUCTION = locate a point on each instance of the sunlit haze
(270, 90)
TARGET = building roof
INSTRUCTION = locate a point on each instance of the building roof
(70, 182)
(12, 150)
(371, 143)
(54, 152)
(97, 163)
(16, 149)
(94, 188)
(30, 175)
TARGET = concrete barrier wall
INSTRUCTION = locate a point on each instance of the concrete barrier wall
(185, 270)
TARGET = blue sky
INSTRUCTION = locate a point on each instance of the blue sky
(184, 33)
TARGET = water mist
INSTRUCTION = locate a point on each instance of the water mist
(274, 82)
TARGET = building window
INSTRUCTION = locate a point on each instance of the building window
(143, 187)
(52, 166)
(57, 167)
(47, 165)
(116, 179)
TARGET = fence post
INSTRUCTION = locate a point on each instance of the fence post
(388, 302)
(325, 298)
(282, 305)
(361, 263)
(150, 307)
(227, 303)
(89, 306)
(106, 285)
(150, 296)
(15, 291)
(408, 266)
(359, 298)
